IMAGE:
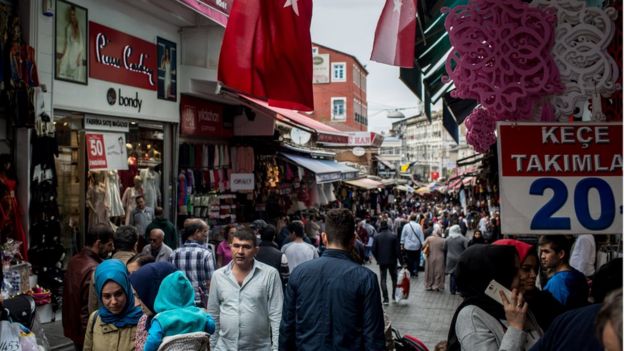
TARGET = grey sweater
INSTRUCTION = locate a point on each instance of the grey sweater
(477, 330)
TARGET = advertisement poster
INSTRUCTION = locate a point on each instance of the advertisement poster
(560, 178)
(106, 151)
(167, 69)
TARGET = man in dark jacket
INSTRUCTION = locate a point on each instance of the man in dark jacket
(269, 253)
(162, 223)
(98, 245)
(333, 303)
(386, 250)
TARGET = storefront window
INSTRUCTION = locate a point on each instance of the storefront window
(106, 196)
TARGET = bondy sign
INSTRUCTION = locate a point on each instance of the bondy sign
(560, 178)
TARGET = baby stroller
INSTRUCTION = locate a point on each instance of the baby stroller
(407, 342)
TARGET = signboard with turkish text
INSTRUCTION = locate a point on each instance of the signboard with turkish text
(242, 182)
(560, 178)
(118, 57)
(202, 118)
(106, 151)
(320, 70)
(365, 139)
(108, 124)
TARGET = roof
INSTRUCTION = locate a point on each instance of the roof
(343, 53)
(323, 171)
(365, 183)
(298, 119)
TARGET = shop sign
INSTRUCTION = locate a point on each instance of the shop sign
(242, 182)
(117, 57)
(332, 138)
(202, 118)
(107, 124)
(328, 177)
(106, 151)
(115, 97)
(216, 10)
(365, 139)
(560, 178)
(320, 68)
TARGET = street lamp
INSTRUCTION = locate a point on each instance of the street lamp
(395, 114)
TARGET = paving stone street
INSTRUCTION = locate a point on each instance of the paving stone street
(426, 314)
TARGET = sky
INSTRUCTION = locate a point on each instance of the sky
(349, 26)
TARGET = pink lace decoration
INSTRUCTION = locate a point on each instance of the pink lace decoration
(501, 56)
(481, 125)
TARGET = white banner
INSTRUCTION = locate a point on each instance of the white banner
(106, 151)
(106, 124)
(242, 182)
(320, 68)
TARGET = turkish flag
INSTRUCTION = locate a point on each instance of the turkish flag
(395, 36)
(267, 52)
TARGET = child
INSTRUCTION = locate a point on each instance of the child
(176, 312)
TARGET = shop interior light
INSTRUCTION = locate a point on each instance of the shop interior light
(129, 146)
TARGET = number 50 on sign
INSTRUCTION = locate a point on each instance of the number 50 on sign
(560, 178)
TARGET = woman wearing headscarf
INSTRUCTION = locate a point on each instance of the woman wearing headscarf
(477, 238)
(113, 325)
(541, 303)
(454, 245)
(434, 271)
(146, 282)
(482, 323)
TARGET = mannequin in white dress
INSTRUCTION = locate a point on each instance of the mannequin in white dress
(96, 200)
(114, 198)
(151, 186)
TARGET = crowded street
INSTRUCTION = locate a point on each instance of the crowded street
(304, 175)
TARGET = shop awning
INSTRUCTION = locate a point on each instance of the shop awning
(347, 172)
(385, 163)
(469, 181)
(365, 183)
(325, 133)
(323, 172)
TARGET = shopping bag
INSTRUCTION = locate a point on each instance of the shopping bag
(403, 285)
(9, 337)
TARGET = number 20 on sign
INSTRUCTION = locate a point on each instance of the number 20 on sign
(560, 178)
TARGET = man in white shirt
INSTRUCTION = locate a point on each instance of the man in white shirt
(412, 238)
(245, 300)
(583, 256)
(298, 251)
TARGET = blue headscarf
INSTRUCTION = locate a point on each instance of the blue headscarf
(114, 270)
(146, 281)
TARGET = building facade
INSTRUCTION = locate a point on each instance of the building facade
(339, 89)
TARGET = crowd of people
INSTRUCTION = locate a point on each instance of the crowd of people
(303, 283)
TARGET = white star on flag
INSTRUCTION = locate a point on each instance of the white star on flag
(294, 5)
(397, 5)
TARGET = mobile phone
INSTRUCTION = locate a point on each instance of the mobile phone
(493, 289)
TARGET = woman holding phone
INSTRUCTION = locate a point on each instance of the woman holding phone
(481, 322)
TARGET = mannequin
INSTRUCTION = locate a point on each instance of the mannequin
(114, 199)
(129, 197)
(10, 217)
(96, 200)
(151, 186)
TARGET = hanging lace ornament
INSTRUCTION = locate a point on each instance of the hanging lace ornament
(481, 125)
(582, 38)
(501, 56)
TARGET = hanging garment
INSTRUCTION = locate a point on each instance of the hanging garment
(114, 197)
(205, 156)
(151, 190)
(233, 160)
(96, 202)
(10, 215)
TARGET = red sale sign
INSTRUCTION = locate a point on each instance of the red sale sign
(558, 178)
(95, 151)
(121, 58)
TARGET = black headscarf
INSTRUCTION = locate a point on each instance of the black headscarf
(476, 267)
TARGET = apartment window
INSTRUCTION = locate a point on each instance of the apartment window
(339, 108)
(356, 75)
(339, 72)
